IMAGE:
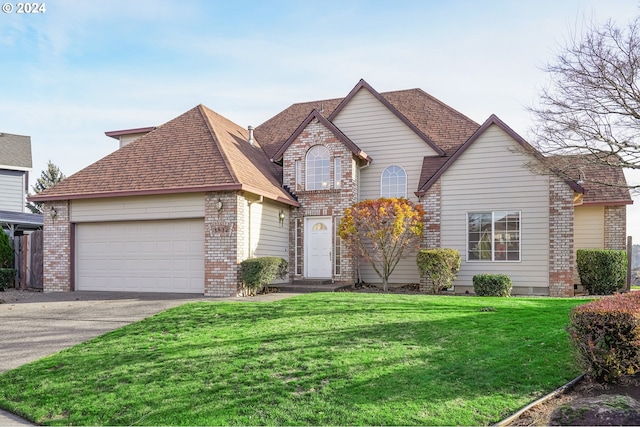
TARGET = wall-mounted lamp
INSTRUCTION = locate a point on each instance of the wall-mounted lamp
(281, 217)
(581, 177)
(219, 206)
(53, 213)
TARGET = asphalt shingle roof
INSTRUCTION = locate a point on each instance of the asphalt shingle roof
(15, 151)
(198, 151)
(203, 151)
(445, 126)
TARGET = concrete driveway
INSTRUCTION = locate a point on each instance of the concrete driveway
(34, 325)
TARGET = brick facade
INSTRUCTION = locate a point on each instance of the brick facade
(615, 227)
(431, 202)
(223, 243)
(330, 202)
(561, 259)
(56, 257)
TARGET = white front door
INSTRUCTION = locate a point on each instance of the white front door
(318, 247)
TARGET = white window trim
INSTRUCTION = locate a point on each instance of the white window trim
(406, 181)
(337, 172)
(298, 171)
(306, 165)
(493, 260)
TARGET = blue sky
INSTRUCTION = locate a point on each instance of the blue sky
(86, 67)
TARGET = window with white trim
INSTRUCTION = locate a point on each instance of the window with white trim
(393, 182)
(493, 236)
(298, 246)
(337, 172)
(299, 175)
(337, 250)
(318, 168)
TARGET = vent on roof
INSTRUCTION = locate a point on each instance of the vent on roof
(250, 129)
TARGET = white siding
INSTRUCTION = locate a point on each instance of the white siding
(588, 226)
(384, 137)
(171, 206)
(266, 236)
(128, 139)
(492, 175)
(12, 191)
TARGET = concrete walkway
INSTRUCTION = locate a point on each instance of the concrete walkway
(34, 325)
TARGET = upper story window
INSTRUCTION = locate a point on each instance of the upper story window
(393, 182)
(318, 168)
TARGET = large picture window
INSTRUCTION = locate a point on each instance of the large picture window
(318, 168)
(493, 236)
(393, 182)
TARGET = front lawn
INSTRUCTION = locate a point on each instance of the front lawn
(317, 359)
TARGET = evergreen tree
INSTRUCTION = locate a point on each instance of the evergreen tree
(48, 178)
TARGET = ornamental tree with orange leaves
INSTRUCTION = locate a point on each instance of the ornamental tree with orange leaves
(383, 230)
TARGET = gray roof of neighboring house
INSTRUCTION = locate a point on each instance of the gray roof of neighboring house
(20, 220)
(15, 151)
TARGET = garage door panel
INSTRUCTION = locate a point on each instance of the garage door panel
(143, 256)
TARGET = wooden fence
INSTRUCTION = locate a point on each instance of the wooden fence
(28, 261)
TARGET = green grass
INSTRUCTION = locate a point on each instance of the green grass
(318, 359)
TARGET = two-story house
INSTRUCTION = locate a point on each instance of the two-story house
(178, 208)
(15, 165)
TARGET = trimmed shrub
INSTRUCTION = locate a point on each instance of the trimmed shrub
(259, 272)
(440, 266)
(606, 336)
(7, 275)
(6, 251)
(492, 285)
(602, 272)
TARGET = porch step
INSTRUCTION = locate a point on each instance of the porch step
(308, 286)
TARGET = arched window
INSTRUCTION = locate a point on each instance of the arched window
(318, 167)
(393, 182)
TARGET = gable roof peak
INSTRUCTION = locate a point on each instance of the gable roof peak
(362, 84)
(316, 115)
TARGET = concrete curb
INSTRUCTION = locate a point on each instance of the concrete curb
(560, 390)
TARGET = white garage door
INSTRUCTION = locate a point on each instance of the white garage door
(140, 256)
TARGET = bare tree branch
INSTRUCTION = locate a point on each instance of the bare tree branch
(593, 103)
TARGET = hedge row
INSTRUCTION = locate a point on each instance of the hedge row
(606, 336)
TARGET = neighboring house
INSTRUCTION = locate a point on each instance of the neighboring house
(178, 208)
(15, 165)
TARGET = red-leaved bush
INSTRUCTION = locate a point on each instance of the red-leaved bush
(606, 336)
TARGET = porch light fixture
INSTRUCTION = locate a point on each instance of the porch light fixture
(281, 217)
(219, 205)
(53, 213)
(581, 177)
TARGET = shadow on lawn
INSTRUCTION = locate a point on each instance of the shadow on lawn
(249, 361)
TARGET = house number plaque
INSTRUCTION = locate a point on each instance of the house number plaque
(221, 228)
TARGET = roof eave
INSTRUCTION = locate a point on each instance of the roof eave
(156, 191)
(126, 193)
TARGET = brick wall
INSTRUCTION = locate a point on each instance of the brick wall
(431, 202)
(615, 227)
(561, 260)
(331, 202)
(56, 257)
(223, 243)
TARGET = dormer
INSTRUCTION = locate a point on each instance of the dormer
(126, 136)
